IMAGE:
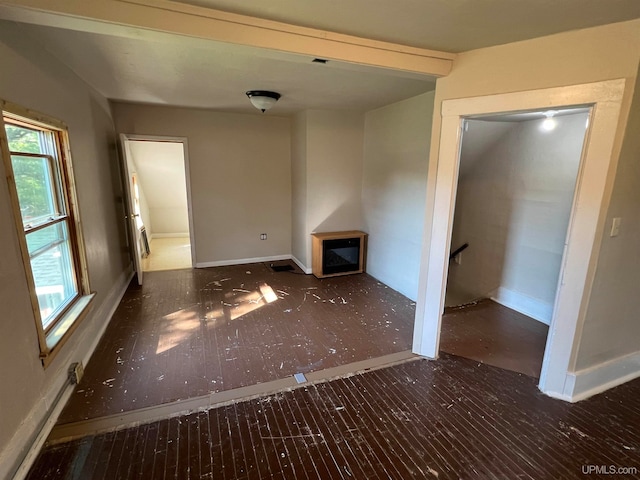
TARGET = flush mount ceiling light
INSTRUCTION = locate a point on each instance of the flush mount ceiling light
(263, 99)
(549, 122)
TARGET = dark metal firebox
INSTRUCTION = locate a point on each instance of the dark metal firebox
(340, 255)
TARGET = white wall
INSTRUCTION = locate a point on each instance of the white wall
(482, 213)
(513, 207)
(240, 167)
(396, 156)
(611, 328)
(300, 246)
(334, 170)
(328, 163)
(572, 58)
(35, 80)
(169, 222)
(145, 212)
(161, 173)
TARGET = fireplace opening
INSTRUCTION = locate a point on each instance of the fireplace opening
(340, 255)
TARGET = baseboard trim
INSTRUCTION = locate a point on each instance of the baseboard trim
(593, 380)
(169, 235)
(302, 266)
(558, 396)
(40, 431)
(39, 434)
(529, 306)
(242, 261)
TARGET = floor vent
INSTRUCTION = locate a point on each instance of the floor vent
(282, 268)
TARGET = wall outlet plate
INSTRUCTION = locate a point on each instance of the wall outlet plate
(615, 227)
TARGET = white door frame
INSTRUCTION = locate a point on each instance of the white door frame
(584, 234)
(185, 151)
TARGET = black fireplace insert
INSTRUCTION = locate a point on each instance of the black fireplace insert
(340, 255)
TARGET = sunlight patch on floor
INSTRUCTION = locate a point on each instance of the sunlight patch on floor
(179, 326)
(176, 328)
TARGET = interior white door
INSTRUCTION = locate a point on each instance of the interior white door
(133, 216)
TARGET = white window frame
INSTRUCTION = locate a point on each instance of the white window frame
(52, 336)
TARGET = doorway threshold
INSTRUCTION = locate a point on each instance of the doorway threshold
(70, 431)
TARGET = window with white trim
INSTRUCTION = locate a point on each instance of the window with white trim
(41, 183)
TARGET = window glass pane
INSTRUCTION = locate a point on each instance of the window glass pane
(45, 237)
(36, 193)
(23, 139)
(52, 267)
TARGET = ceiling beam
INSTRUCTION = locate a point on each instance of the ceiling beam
(112, 16)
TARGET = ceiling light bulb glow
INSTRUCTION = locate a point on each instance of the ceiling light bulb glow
(549, 123)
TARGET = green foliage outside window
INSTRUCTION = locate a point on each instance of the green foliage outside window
(22, 140)
(31, 173)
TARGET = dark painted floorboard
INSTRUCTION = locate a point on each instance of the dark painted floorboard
(187, 333)
(190, 332)
(448, 419)
(491, 333)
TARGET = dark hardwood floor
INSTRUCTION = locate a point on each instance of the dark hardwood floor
(491, 333)
(447, 419)
(187, 333)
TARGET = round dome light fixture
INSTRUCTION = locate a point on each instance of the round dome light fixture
(263, 99)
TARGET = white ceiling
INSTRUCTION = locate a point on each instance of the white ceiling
(528, 116)
(446, 25)
(477, 139)
(160, 168)
(161, 68)
(483, 133)
(185, 71)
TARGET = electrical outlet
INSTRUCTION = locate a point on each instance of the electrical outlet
(615, 227)
(263, 236)
(76, 371)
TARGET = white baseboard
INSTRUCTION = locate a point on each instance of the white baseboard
(32, 434)
(593, 380)
(242, 261)
(558, 396)
(169, 235)
(529, 306)
(41, 430)
(302, 266)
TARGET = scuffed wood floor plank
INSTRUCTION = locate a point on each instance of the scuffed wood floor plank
(187, 333)
(446, 419)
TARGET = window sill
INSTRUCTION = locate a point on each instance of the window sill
(67, 324)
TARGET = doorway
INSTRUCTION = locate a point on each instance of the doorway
(157, 169)
(516, 183)
(585, 227)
